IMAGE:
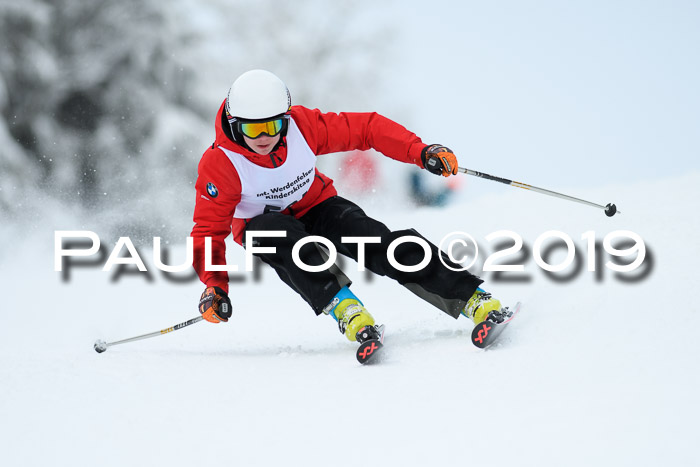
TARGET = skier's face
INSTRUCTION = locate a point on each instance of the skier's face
(262, 144)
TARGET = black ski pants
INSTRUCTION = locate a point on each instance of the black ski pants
(338, 217)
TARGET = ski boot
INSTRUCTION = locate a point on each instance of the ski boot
(481, 306)
(355, 322)
(351, 315)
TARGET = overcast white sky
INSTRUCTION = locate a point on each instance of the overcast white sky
(554, 93)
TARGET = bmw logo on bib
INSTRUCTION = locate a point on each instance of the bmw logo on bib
(212, 190)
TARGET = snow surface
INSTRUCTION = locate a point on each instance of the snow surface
(591, 373)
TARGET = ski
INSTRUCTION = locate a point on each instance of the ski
(487, 332)
(372, 340)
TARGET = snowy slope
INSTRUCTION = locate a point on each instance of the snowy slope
(591, 373)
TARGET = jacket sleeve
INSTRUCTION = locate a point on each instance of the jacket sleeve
(347, 131)
(218, 191)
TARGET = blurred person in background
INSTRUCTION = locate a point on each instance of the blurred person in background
(423, 193)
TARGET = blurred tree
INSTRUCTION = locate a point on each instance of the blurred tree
(331, 55)
(90, 84)
(107, 106)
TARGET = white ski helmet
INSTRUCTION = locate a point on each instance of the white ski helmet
(257, 95)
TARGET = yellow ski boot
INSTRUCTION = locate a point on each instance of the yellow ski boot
(350, 314)
(480, 305)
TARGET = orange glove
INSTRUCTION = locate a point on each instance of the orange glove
(439, 160)
(214, 305)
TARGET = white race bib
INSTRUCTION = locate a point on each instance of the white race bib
(274, 189)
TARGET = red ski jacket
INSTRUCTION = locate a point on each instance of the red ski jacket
(324, 133)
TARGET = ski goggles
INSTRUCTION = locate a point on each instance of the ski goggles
(255, 130)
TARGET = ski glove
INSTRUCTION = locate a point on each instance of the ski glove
(214, 305)
(439, 160)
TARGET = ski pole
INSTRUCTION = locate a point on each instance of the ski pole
(610, 209)
(100, 345)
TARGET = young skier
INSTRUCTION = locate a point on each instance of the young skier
(260, 175)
